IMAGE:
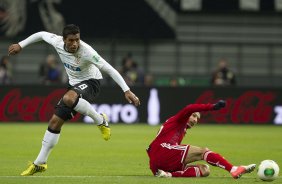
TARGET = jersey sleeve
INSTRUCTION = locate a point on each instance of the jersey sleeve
(104, 66)
(40, 36)
(107, 68)
(190, 109)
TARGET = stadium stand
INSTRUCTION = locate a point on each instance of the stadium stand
(252, 41)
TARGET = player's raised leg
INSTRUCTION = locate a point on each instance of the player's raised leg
(72, 100)
(104, 127)
(50, 139)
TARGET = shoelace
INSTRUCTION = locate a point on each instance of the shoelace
(38, 168)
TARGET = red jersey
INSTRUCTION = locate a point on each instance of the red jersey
(165, 151)
(174, 129)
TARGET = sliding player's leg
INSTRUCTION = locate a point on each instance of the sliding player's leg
(196, 153)
(199, 170)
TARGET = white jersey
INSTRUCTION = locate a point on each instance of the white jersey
(82, 65)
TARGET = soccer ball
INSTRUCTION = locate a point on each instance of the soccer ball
(268, 170)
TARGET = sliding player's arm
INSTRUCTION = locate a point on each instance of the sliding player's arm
(189, 109)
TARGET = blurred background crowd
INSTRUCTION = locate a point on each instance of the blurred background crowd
(151, 42)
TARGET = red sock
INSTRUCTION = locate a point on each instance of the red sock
(216, 159)
(188, 172)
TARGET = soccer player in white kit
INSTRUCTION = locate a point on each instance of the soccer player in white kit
(83, 65)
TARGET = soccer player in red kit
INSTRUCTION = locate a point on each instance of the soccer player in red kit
(170, 158)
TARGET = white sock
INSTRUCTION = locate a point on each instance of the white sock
(48, 142)
(85, 108)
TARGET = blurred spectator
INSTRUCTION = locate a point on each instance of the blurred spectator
(5, 70)
(177, 81)
(148, 80)
(223, 76)
(130, 71)
(50, 71)
(173, 82)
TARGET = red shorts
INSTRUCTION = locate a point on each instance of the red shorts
(167, 157)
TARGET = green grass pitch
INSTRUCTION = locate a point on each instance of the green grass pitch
(82, 156)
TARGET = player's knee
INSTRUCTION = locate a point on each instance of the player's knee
(69, 100)
(205, 170)
(198, 153)
(203, 151)
(63, 112)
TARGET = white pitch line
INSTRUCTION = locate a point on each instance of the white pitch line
(246, 177)
(62, 176)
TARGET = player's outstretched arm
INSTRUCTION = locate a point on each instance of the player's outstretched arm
(132, 98)
(39, 36)
(189, 109)
(14, 49)
(219, 105)
(115, 75)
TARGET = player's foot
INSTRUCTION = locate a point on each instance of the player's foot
(240, 170)
(104, 127)
(162, 174)
(32, 168)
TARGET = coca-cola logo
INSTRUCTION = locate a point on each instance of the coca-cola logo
(250, 107)
(18, 107)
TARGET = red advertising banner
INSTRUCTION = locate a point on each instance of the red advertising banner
(252, 106)
(22, 104)
(244, 105)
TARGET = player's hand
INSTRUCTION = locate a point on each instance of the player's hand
(132, 98)
(14, 49)
(220, 104)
